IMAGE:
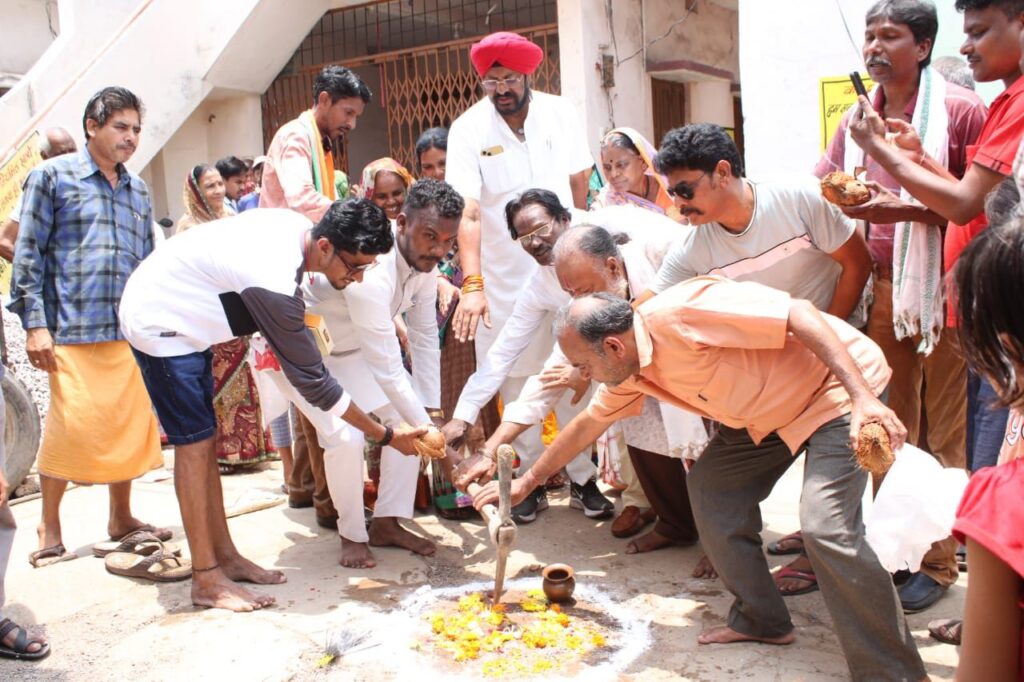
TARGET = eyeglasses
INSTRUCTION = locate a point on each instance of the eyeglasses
(491, 84)
(685, 190)
(353, 270)
(540, 232)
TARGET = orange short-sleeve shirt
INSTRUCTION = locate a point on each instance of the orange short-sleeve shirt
(721, 349)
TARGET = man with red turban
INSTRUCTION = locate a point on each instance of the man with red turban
(512, 140)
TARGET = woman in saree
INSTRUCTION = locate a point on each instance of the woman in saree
(385, 183)
(241, 438)
(627, 169)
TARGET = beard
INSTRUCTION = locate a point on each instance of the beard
(506, 109)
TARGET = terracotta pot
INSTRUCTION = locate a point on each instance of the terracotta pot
(559, 582)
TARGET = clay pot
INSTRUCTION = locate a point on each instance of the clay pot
(559, 582)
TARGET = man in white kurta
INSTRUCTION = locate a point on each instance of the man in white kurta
(367, 358)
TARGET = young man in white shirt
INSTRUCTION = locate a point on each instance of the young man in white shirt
(367, 354)
(227, 278)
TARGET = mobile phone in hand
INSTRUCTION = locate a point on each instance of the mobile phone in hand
(858, 84)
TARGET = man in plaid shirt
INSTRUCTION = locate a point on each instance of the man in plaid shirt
(86, 223)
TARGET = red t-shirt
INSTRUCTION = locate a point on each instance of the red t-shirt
(996, 149)
(991, 514)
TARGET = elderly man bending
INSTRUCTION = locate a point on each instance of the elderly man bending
(780, 377)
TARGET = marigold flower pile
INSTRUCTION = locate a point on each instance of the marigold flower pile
(539, 639)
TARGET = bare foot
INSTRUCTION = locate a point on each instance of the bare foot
(648, 542)
(356, 555)
(240, 569)
(215, 590)
(723, 634)
(386, 532)
(704, 569)
(49, 536)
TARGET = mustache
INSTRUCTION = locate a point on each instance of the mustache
(879, 61)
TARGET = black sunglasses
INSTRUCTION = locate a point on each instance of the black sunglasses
(685, 190)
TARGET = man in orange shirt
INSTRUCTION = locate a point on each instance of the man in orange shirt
(780, 377)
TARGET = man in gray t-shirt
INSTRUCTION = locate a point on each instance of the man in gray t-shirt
(779, 233)
(782, 234)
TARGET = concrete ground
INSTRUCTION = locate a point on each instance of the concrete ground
(103, 627)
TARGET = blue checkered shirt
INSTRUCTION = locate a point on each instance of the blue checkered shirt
(78, 241)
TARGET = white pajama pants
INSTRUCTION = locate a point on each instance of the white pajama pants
(343, 446)
(529, 446)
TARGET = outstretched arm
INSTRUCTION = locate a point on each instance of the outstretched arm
(807, 324)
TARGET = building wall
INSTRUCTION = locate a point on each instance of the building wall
(706, 35)
(29, 27)
(583, 36)
(782, 61)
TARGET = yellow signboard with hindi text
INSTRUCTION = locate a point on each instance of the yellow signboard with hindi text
(12, 174)
(836, 94)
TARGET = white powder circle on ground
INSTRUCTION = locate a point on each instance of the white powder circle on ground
(398, 629)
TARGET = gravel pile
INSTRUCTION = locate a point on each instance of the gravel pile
(35, 380)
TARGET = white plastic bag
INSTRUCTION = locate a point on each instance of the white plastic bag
(915, 506)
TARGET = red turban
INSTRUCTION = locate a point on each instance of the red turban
(513, 51)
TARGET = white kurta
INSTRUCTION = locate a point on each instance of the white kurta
(487, 163)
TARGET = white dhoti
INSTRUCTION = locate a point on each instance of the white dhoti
(343, 446)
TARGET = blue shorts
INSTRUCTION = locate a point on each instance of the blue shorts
(181, 388)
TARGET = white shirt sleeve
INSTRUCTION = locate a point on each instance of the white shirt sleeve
(370, 311)
(462, 170)
(677, 266)
(424, 342)
(535, 401)
(529, 313)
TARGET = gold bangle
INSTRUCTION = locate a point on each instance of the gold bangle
(439, 413)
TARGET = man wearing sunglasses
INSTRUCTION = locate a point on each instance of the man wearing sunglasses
(780, 233)
(367, 356)
(234, 277)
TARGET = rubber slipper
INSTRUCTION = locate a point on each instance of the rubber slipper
(48, 556)
(138, 542)
(947, 630)
(775, 548)
(19, 651)
(158, 566)
(806, 576)
(162, 534)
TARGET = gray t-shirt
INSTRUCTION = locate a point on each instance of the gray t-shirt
(786, 246)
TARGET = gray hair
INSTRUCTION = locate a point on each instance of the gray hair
(590, 240)
(612, 315)
(955, 70)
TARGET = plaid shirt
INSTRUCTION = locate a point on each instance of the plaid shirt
(79, 240)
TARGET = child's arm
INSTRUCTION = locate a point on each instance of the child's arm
(992, 619)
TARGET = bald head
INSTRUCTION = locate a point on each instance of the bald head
(56, 142)
(595, 333)
(588, 260)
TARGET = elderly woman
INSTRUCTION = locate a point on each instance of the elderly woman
(241, 438)
(385, 182)
(628, 171)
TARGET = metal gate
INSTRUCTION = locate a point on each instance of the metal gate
(422, 87)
